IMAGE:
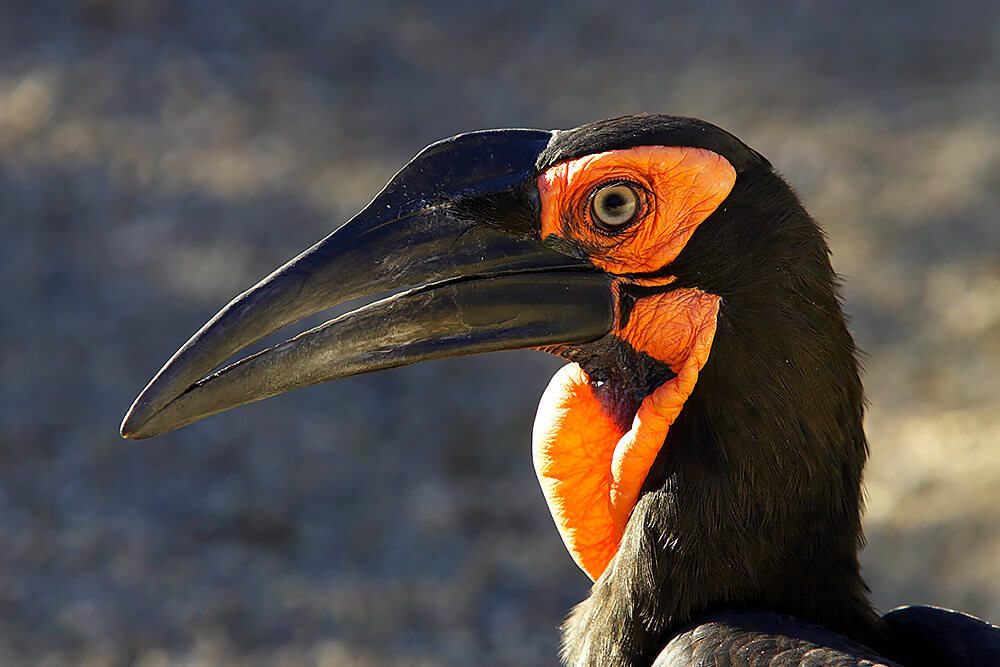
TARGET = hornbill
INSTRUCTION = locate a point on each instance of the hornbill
(702, 451)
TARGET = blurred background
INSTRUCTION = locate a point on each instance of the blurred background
(159, 156)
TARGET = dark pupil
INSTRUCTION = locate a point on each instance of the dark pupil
(614, 202)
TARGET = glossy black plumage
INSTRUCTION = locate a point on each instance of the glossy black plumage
(647, 130)
(763, 639)
(922, 637)
(929, 636)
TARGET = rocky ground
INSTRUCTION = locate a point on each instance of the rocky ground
(158, 156)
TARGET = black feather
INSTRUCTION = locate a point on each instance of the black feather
(648, 130)
(933, 637)
(763, 639)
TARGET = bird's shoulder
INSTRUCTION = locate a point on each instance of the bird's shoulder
(936, 636)
(763, 639)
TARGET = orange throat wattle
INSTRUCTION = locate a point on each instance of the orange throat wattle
(590, 469)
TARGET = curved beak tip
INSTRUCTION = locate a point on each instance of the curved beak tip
(132, 425)
(139, 422)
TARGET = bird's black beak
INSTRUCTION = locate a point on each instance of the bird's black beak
(460, 223)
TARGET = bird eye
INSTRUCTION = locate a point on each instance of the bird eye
(614, 206)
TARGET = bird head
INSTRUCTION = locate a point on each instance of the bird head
(660, 255)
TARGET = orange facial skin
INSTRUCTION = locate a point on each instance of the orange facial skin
(590, 469)
(683, 186)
